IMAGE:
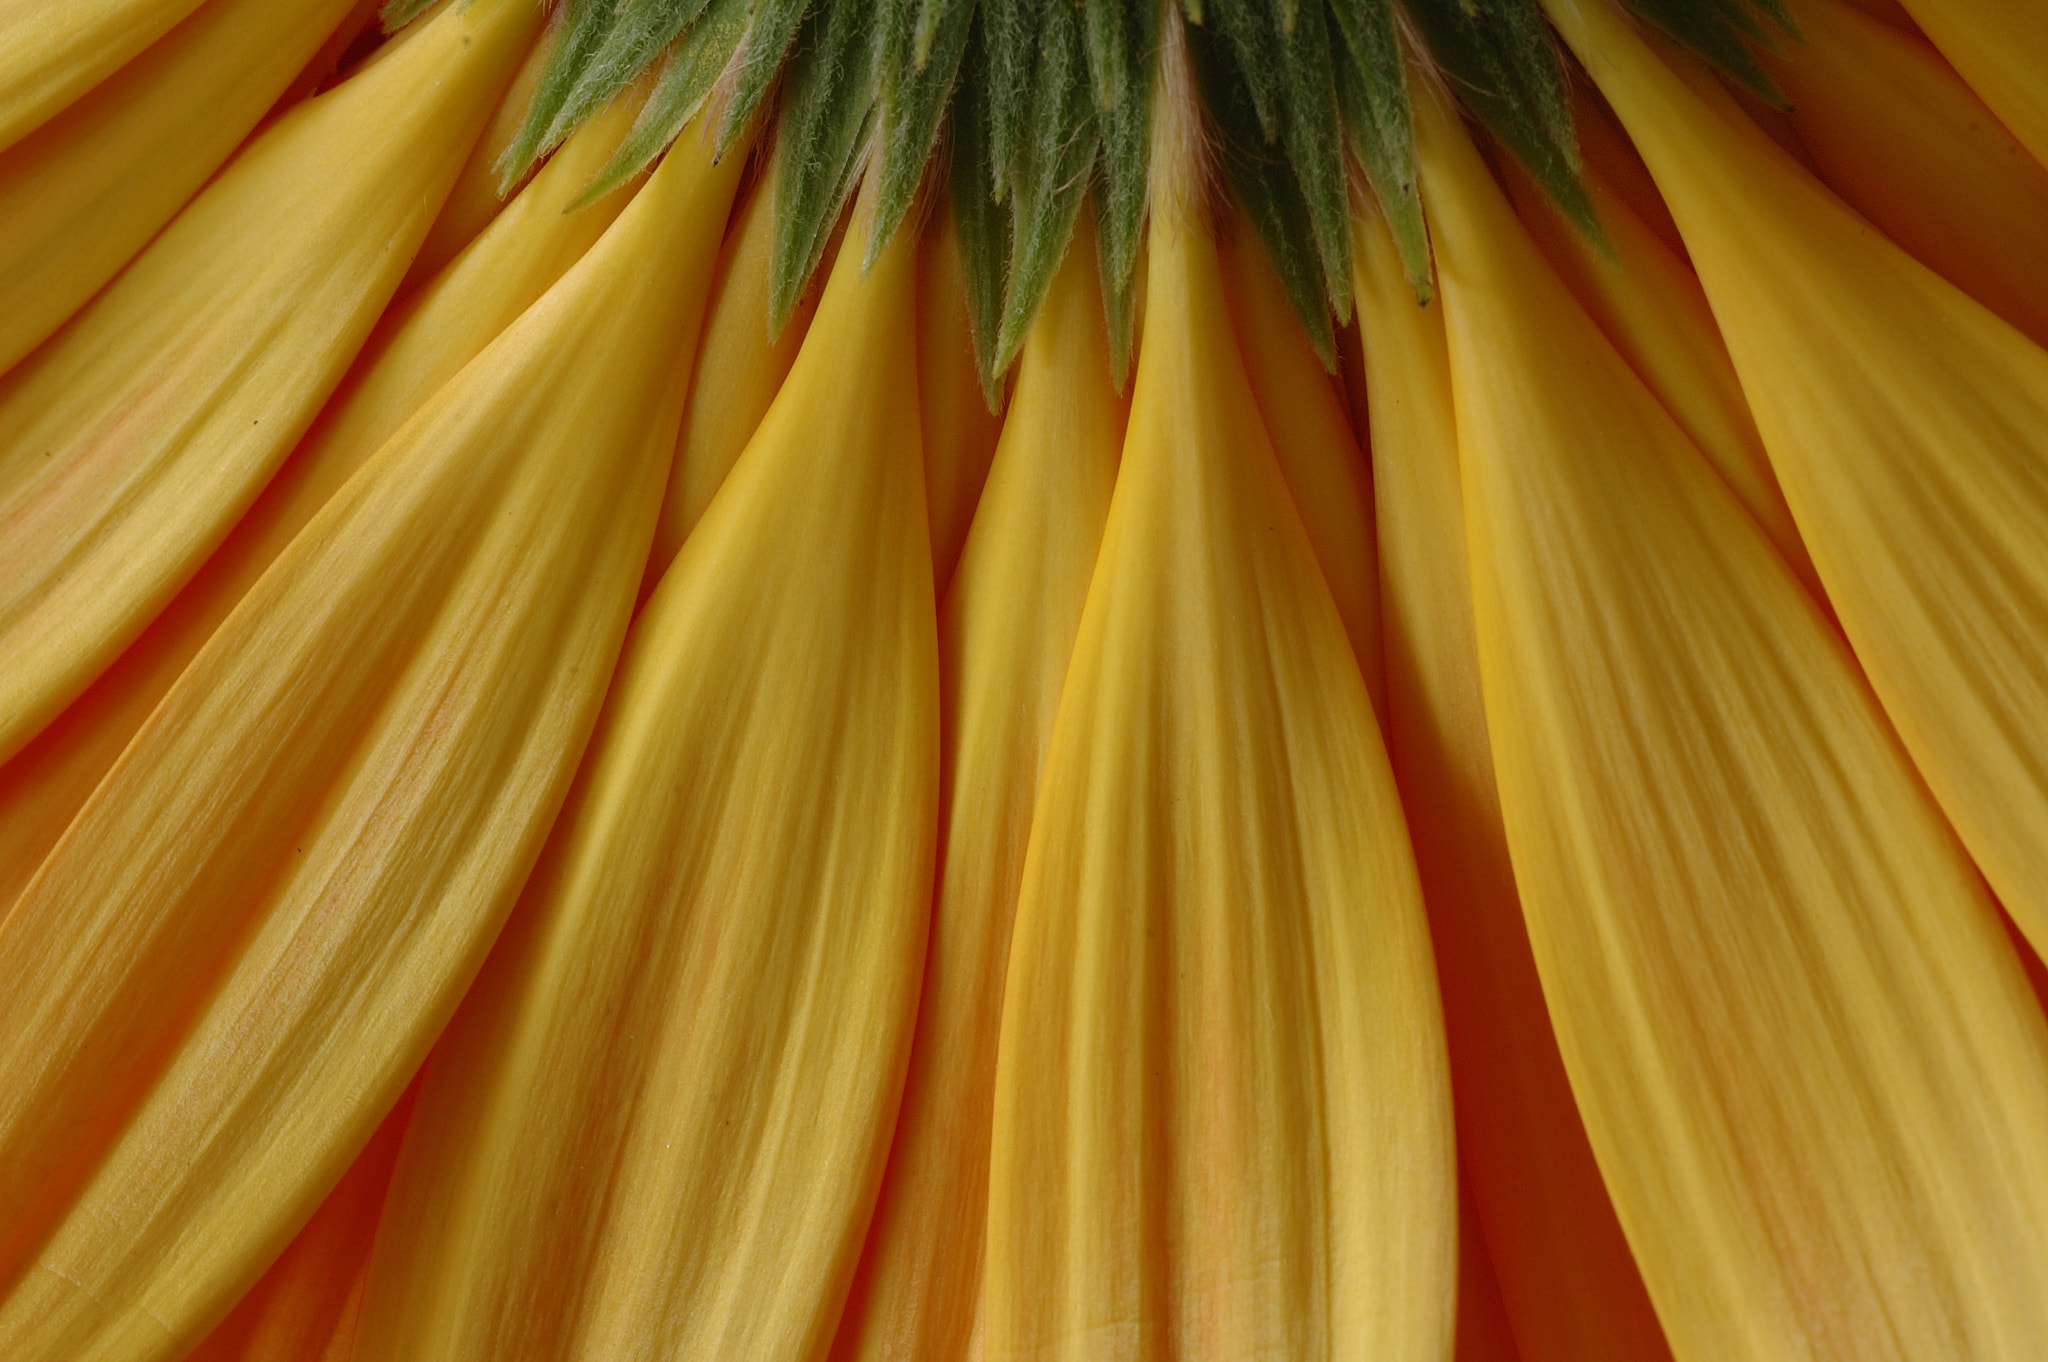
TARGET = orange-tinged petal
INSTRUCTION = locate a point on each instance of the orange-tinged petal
(1909, 429)
(658, 1125)
(303, 1300)
(739, 368)
(1312, 438)
(1005, 633)
(1222, 1122)
(2001, 48)
(1898, 134)
(1805, 1053)
(50, 54)
(418, 345)
(959, 429)
(82, 194)
(227, 969)
(1649, 304)
(130, 445)
(1564, 1269)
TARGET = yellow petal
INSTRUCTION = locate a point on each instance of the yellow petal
(739, 368)
(1312, 437)
(474, 199)
(50, 54)
(1896, 133)
(1804, 1050)
(1005, 633)
(292, 1313)
(2001, 48)
(417, 346)
(959, 429)
(1649, 304)
(227, 969)
(1222, 1124)
(82, 194)
(1909, 428)
(1564, 1268)
(130, 445)
(658, 1125)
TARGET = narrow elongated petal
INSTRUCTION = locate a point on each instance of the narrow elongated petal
(1005, 634)
(50, 54)
(1898, 134)
(1564, 1269)
(2001, 48)
(130, 446)
(1312, 438)
(1805, 1052)
(960, 430)
(417, 347)
(657, 1128)
(478, 193)
(1222, 1121)
(239, 952)
(297, 1307)
(82, 194)
(1649, 304)
(1909, 428)
(739, 369)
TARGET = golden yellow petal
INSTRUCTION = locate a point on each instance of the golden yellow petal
(1565, 1272)
(82, 194)
(1649, 304)
(959, 429)
(1909, 429)
(739, 368)
(50, 54)
(1222, 1124)
(229, 966)
(417, 346)
(658, 1125)
(1312, 438)
(1005, 633)
(1897, 133)
(2001, 48)
(130, 445)
(1805, 1051)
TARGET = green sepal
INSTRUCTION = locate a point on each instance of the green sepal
(1372, 88)
(1009, 38)
(1716, 29)
(1249, 24)
(760, 58)
(1500, 62)
(982, 221)
(1051, 175)
(826, 117)
(1314, 140)
(688, 73)
(1106, 37)
(581, 30)
(641, 30)
(1125, 167)
(1267, 188)
(914, 89)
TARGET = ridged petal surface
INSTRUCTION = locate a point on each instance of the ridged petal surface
(228, 968)
(418, 345)
(1805, 1052)
(1222, 1124)
(52, 53)
(1005, 633)
(658, 1126)
(1909, 428)
(130, 445)
(1565, 1273)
